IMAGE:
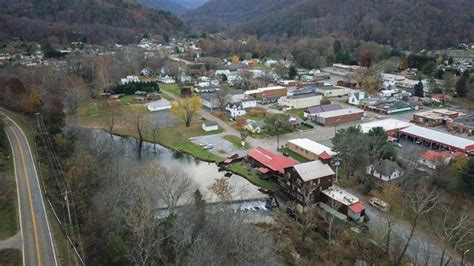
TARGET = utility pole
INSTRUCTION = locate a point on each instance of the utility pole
(65, 193)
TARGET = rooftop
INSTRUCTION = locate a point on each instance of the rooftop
(387, 124)
(340, 112)
(260, 90)
(313, 170)
(467, 120)
(311, 146)
(340, 195)
(440, 137)
(324, 108)
(275, 162)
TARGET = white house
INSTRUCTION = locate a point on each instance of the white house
(355, 97)
(159, 105)
(235, 110)
(167, 80)
(129, 79)
(209, 126)
(249, 103)
(385, 170)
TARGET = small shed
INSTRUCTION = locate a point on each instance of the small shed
(209, 126)
(159, 105)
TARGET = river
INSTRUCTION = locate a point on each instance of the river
(202, 173)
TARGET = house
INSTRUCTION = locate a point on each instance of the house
(434, 117)
(385, 170)
(210, 101)
(304, 182)
(434, 159)
(311, 112)
(440, 98)
(237, 95)
(268, 163)
(337, 199)
(255, 127)
(310, 150)
(356, 97)
(209, 126)
(336, 117)
(249, 103)
(129, 79)
(167, 80)
(159, 105)
(300, 99)
(235, 110)
(463, 124)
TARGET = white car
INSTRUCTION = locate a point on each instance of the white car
(379, 204)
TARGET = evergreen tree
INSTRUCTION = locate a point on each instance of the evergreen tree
(419, 89)
(462, 84)
(466, 177)
(116, 250)
(292, 72)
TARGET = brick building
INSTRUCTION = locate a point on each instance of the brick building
(463, 124)
(336, 117)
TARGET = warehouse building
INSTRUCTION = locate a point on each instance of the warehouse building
(336, 117)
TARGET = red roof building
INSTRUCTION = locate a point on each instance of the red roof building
(274, 162)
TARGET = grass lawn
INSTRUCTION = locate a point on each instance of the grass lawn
(128, 99)
(297, 112)
(294, 155)
(10, 257)
(236, 142)
(171, 88)
(250, 174)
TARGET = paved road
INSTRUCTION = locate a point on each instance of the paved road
(424, 248)
(37, 243)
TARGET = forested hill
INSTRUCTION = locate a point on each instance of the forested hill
(166, 5)
(412, 24)
(93, 21)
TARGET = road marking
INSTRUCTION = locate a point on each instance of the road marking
(33, 216)
(39, 186)
(18, 196)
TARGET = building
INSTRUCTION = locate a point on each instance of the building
(310, 150)
(267, 92)
(300, 99)
(129, 79)
(385, 170)
(434, 117)
(390, 125)
(311, 112)
(333, 91)
(440, 98)
(255, 127)
(438, 139)
(210, 100)
(349, 68)
(159, 105)
(463, 124)
(356, 97)
(384, 106)
(237, 95)
(269, 164)
(434, 159)
(304, 182)
(336, 117)
(209, 126)
(235, 110)
(344, 203)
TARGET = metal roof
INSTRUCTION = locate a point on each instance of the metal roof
(313, 170)
(440, 137)
(340, 112)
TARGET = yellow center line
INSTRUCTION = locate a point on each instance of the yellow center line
(35, 230)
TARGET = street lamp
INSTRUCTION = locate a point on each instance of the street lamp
(464, 254)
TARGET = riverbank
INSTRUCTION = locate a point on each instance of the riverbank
(242, 169)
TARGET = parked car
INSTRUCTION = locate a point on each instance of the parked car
(396, 144)
(417, 141)
(379, 204)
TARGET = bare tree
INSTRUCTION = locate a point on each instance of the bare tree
(223, 96)
(458, 225)
(421, 201)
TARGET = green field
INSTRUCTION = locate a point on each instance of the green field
(250, 174)
(171, 88)
(297, 112)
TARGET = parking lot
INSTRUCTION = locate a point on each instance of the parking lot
(220, 146)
